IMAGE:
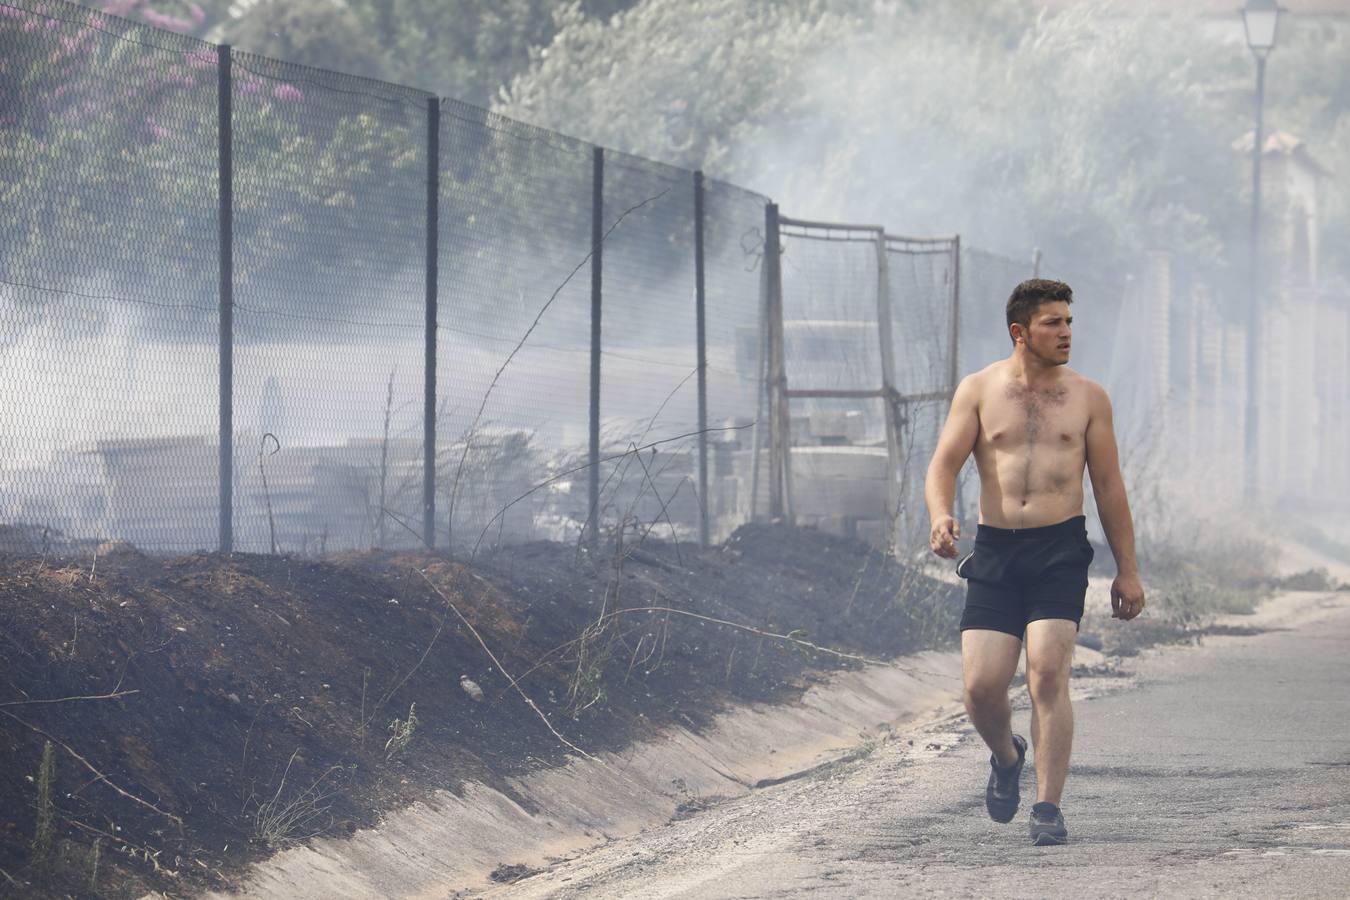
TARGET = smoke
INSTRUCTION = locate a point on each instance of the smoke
(1089, 133)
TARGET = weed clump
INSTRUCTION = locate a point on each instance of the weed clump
(401, 733)
(291, 818)
(44, 826)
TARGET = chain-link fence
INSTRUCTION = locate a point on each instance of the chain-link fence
(515, 307)
(108, 307)
(419, 323)
(737, 417)
(415, 322)
(329, 228)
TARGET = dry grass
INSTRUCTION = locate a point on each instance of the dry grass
(288, 818)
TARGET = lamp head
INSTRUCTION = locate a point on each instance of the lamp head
(1261, 19)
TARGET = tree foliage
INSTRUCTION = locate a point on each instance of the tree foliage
(194, 18)
(1094, 132)
(106, 125)
(316, 33)
(680, 82)
(108, 173)
(467, 49)
(1308, 94)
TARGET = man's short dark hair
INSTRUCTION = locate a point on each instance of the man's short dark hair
(1030, 294)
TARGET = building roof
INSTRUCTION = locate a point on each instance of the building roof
(1282, 143)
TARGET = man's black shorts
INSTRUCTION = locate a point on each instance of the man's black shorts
(1018, 575)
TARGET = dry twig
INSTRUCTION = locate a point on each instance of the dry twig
(10, 879)
(668, 610)
(623, 474)
(566, 473)
(112, 696)
(384, 462)
(88, 765)
(267, 494)
(498, 664)
(665, 510)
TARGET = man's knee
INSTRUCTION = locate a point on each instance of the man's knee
(985, 694)
(1047, 684)
(1049, 659)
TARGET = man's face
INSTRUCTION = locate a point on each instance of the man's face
(1051, 333)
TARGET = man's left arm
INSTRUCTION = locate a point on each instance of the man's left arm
(1113, 507)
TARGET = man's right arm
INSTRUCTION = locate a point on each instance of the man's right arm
(953, 449)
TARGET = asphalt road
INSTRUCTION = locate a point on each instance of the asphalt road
(1220, 771)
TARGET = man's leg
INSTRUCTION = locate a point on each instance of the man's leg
(988, 663)
(1049, 659)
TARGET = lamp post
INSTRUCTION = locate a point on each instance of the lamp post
(1260, 19)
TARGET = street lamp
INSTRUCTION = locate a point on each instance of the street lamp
(1260, 19)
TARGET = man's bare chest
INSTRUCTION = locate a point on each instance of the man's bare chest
(1013, 416)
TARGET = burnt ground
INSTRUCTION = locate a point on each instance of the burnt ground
(206, 710)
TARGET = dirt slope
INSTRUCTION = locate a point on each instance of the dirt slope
(243, 703)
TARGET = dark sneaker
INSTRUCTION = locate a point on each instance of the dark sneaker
(1002, 795)
(1047, 825)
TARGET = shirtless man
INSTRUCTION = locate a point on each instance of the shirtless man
(1033, 424)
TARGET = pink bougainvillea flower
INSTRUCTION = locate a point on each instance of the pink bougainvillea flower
(200, 59)
(288, 92)
(196, 13)
(251, 86)
(168, 23)
(120, 7)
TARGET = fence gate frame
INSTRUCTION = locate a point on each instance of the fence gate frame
(951, 248)
(775, 385)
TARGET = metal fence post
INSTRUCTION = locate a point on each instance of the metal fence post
(890, 397)
(225, 170)
(779, 429)
(762, 416)
(432, 274)
(597, 237)
(954, 349)
(954, 358)
(702, 338)
(1344, 416)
